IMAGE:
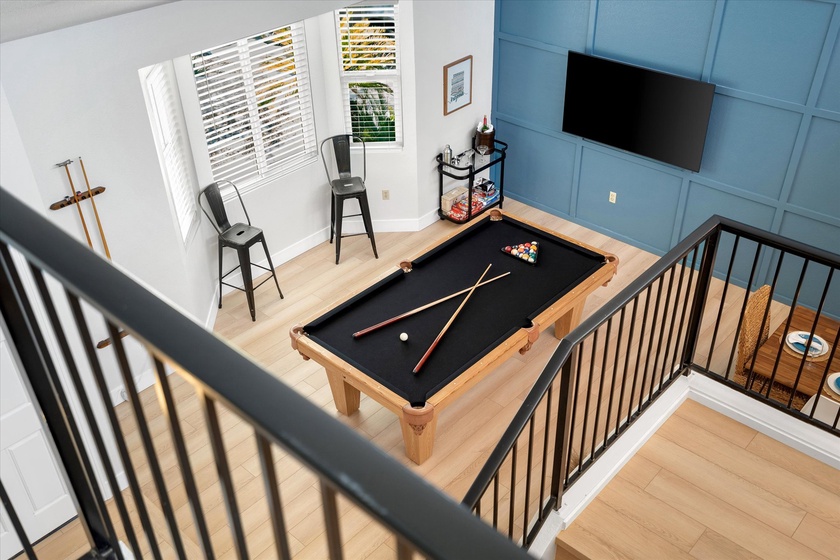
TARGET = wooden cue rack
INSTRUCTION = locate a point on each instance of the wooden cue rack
(80, 196)
(77, 198)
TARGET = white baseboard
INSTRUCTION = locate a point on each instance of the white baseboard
(355, 225)
(350, 226)
(808, 439)
(587, 487)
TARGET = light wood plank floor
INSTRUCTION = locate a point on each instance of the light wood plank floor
(467, 431)
(707, 487)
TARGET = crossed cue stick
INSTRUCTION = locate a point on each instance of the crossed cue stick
(392, 320)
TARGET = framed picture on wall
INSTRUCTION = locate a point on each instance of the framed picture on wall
(457, 85)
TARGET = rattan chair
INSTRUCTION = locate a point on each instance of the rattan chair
(756, 318)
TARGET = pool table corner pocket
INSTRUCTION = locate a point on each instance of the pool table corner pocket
(533, 335)
(613, 260)
(294, 334)
(418, 425)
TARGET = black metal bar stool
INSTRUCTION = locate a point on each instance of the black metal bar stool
(240, 237)
(344, 187)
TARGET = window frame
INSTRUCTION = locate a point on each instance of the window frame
(390, 78)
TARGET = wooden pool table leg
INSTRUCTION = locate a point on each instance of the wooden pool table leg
(567, 322)
(418, 427)
(346, 396)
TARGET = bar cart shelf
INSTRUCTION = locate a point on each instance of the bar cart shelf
(468, 173)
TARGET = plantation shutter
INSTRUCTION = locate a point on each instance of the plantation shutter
(369, 53)
(256, 105)
(173, 149)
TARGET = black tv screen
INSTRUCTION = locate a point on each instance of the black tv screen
(649, 113)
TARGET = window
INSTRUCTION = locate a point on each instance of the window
(169, 130)
(256, 105)
(370, 77)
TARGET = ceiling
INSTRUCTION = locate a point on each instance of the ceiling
(24, 18)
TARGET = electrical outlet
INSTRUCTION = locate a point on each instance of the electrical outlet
(386, 194)
(612, 197)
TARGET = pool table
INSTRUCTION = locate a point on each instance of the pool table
(499, 319)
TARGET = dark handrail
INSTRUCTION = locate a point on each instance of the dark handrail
(437, 526)
(709, 229)
(561, 355)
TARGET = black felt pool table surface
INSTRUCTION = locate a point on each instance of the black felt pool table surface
(492, 314)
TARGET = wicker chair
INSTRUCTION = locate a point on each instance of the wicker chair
(749, 340)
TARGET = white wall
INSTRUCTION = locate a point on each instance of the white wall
(444, 33)
(76, 92)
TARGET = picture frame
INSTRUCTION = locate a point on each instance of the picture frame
(457, 85)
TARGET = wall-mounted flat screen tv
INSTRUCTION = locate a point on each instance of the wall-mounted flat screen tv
(649, 113)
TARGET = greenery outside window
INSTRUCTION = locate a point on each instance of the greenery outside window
(370, 73)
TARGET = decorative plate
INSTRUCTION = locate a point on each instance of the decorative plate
(833, 383)
(796, 341)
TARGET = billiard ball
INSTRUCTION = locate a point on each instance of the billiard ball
(403, 337)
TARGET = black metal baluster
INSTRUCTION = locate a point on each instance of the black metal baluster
(574, 394)
(664, 369)
(614, 377)
(704, 276)
(669, 360)
(627, 353)
(272, 489)
(747, 290)
(70, 363)
(650, 342)
(588, 399)
(512, 490)
(810, 340)
(600, 400)
(639, 358)
(119, 439)
(722, 301)
(764, 321)
(331, 521)
(685, 359)
(223, 472)
(30, 349)
(171, 413)
(545, 448)
(146, 438)
(496, 501)
(528, 466)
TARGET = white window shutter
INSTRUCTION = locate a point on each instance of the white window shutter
(176, 161)
(256, 105)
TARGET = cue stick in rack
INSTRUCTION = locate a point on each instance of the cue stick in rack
(446, 326)
(95, 212)
(66, 166)
(387, 322)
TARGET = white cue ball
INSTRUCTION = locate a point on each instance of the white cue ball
(403, 337)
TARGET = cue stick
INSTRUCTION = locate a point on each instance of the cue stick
(95, 213)
(66, 166)
(387, 322)
(446, 326)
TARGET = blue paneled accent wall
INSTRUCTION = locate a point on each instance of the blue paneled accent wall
(772, 154)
